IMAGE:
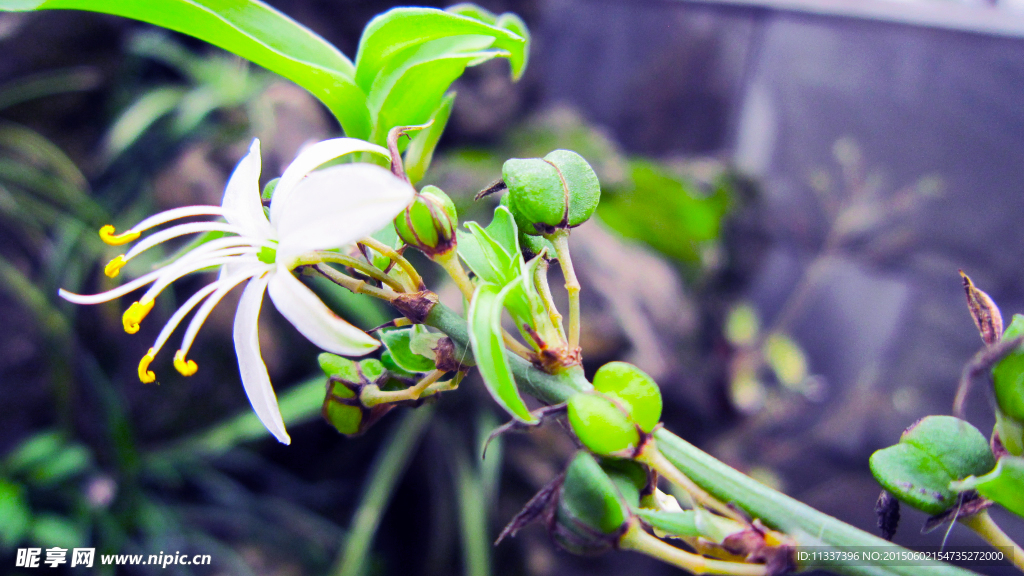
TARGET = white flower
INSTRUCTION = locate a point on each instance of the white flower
(322, 210)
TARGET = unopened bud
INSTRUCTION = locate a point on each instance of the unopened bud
(633, 388)
(558, 191)
(346, 379)
(429, 223)
(603, 425)
(592, 510)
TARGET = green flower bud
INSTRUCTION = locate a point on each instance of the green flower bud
(346, 378)
(602, 425)
(592, 513)
(1008, 375)
(429, 222)
(637, 391)
(558, 191)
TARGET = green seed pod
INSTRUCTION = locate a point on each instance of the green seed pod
(1008, 375)
(591, 512)
(637, 391)
(602, 425)
(558, 191)
(346, 378)
(429, 223)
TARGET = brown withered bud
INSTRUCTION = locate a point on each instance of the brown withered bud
(887, 508)
(984, 311)
(415, 306)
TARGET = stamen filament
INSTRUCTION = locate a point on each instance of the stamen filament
(110, 294)
(176, 231)
(185, 267)
(223, 287)
(175, 214)
(179, 315)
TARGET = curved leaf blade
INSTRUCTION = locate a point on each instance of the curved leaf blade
(485, 338)
(1004, 485)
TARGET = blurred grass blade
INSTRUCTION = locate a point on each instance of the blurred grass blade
(476, 544)
(134, 121)
(387, 468)
(299, 404)
(47, 83)
(36, 149)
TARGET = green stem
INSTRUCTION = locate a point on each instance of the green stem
(560, 240)
(807, 525)
(540, 280)
(397, 258)
(372, 395)
(451, 264)
(985, 527)
(355, 286)
(637, 540)
(354, 263)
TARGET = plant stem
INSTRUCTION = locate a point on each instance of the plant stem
(397, 258)
(321, 256)
(990, 532)
(451, 264)
(653, 458)
(560, 240)
(540, 280)
(637, 540)
(356, 286)
(372, 395)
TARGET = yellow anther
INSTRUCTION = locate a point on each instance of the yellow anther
(145, 374)
(108, 236)
(186, 367)
(135, 314)
(113, 268)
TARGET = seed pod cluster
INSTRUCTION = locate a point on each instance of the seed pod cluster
(345, 379)
(621, 411)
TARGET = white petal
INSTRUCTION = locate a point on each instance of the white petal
(250, 362)
(316, 321)
(337, 206)
(241, 204)
(312, 157)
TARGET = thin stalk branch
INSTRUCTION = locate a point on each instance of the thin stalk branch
(637, 540)
(372, 395)
(355, 286)
(990, 532)
(397, 258)
(560, 240)
(354, 263)
(653, 458)
(451, 264)
(540, 280)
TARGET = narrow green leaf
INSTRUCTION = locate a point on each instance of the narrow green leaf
(676, 523)
(252, 30)
(485, 337)
(51, 530)
(401, 29)
(398, 342)
(1004, 485)
(476, 542)
(420, 152)
(33, 451)
(143, 113)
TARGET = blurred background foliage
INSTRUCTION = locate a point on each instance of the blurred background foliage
(105, 121)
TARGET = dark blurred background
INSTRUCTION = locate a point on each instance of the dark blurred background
(788, 195)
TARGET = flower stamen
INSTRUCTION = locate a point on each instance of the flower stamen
(135, 314)
(183, 366)
(113, 268)
(108, 236)
(146, 375)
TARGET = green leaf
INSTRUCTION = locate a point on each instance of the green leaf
(49, 530)
(930, 455)
(252, 30)
(68, 463)
(420, 152)
(410, 88)
(33, 452)
(423, 342)
(398, 342)
(1008, 375)
(1004, 485)
(388, 360)
(400, 30)
(485, 337)
(15, 514)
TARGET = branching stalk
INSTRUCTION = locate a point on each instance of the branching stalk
(540, 280)
(637, 540)
(451, 264)
(356, 286)
(321, 256)
(397, 258)
(986, 527)
(560, 240)
(372, 395)
(653, 458)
